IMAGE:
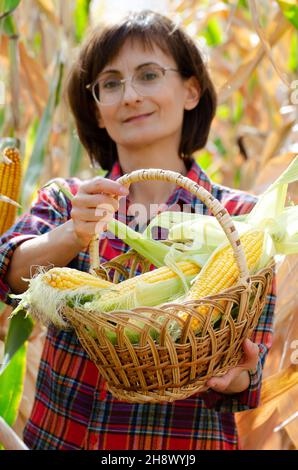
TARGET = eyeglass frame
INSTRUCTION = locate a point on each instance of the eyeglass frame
(122, 81)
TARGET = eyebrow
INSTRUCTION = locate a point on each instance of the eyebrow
(136, 68)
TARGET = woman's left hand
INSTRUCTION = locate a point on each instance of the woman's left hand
(237, 379)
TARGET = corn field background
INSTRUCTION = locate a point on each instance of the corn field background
(251, 48)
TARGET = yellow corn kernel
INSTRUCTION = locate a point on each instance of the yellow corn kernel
(68, 278)
(153, 277)
(148, 289)
(10, 183)
(222, 272)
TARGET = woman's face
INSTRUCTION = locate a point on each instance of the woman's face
(135, 121)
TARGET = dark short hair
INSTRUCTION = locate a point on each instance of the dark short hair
(102, 45)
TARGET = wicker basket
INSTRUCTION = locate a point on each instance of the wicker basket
(165, 370)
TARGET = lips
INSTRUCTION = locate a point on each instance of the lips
(137, 117)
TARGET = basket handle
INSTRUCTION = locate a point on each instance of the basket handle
(217, 209)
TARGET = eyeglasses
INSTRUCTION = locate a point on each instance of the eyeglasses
(109, 89)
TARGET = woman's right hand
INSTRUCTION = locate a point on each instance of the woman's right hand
(93, 206)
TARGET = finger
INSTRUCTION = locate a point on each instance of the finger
(103, 209)
(220, 384)
(250, 347)
(99, 185)
(250, 355)
(91, 201)
(203, 389)
(88, 215)
(102, 223)
(84, 229)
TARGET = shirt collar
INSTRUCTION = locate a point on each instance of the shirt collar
(115, 172)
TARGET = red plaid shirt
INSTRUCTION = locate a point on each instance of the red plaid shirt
(72, 407)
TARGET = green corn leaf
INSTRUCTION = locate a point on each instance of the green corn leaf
(2, 307)
(167, 220)
(153, 250)
(223, 112)
(271, 203)
(290, 11)
(76, 154)
(204, 159)
(293, 58)
(81, 16)
(11, 386)
(2, 111)
(20, 328)
(220, 146)
(7, 26)
(62, 188)
(213, 33)
(238, 108)
(7, 7)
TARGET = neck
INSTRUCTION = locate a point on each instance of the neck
(152, 192)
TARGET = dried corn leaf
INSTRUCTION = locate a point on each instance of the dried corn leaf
(274, 142)
(274, 32)
(9, 201)
(48, 8)
(260, 437)
(264, 41)
(276, 385)
(261, 422)
(279, 391)
(270, 171)
(288, 411)
(34, 77)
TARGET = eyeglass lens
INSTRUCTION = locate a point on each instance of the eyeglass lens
(109, 89)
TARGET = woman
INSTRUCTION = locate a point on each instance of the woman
(141, 98)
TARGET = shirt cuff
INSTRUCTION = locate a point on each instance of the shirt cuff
(5, 289)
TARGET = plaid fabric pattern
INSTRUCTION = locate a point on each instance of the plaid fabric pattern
(72, 407)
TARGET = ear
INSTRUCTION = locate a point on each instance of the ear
(193, 93)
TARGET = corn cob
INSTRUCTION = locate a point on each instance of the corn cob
(222, 272)
(68, 278)
(149, 289)
(10, 182)
(51, 291)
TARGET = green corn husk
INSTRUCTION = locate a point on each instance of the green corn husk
(203, 234)
(153, 250)
(46, 303)
(271, 202)
(144, 294)
(132, 334)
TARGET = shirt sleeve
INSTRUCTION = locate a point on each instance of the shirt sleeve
(49, 210)
(238, 204)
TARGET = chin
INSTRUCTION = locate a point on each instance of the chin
(142, 137)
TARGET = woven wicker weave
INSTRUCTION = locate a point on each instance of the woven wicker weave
(165, 370)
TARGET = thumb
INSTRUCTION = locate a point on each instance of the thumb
(250, 354)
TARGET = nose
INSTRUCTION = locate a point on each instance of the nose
(129, 93)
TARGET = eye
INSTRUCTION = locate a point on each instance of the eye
(110, 84)
(149, 75)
